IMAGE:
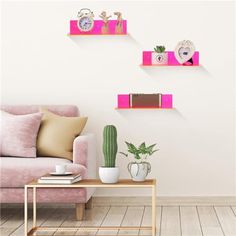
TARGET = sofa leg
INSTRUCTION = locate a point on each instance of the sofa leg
(89, 204)
(79, 210)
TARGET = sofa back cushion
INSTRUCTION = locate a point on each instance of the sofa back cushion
(18, 134)
(62, 110)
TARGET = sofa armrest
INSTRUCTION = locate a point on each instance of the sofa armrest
(84, 153)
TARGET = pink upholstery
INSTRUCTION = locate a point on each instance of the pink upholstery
(16, 172)
(62, 110)
(15, 195)
(19, 134)
(85, 152)
(80, 148)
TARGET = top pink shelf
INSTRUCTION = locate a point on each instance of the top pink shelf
(97, 29)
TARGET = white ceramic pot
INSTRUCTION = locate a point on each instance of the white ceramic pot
(109, 175)
(159, 58)
(139, 171)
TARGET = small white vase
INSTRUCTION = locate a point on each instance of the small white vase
(139, 171)
(159, 58)
(109, 175)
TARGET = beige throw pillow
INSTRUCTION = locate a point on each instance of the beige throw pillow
(57, 133)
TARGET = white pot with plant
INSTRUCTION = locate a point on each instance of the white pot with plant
(159, 56)
(109, 173)
(139, 168)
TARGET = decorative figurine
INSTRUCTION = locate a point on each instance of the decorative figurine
(119, 25)
(184, 52)
(85, 21)
(105, 18)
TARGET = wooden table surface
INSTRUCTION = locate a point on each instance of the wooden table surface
(122, 183)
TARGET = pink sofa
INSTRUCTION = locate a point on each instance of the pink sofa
(17, 171)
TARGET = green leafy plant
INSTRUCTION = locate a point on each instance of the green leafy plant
(159, 49)
(141, 152)
(110, 145)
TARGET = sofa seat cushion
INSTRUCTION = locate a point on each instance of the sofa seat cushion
(45, 195)
(16, 172)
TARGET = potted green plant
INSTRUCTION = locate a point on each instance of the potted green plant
(109, 173)
(159, 56)
(139, 168)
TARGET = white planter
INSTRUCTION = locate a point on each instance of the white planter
(159, 58)
(139, 171)
(109, 175)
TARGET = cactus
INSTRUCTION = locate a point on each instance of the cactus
(159, 49)
(110, 145)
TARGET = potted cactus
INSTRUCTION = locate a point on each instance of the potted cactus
(109, 173)
(159, 56)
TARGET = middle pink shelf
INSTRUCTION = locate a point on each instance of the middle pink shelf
(168, 58)
(144, 101)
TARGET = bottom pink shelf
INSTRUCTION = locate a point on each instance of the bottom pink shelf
(145, 101)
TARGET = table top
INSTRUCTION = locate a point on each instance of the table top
(85, 183)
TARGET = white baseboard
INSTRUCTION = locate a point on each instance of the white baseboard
(166, 201)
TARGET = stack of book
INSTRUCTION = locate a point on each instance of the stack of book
(51, 179)
(138, 100)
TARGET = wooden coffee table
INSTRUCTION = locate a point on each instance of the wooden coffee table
(89, 183)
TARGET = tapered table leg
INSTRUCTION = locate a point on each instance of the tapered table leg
(26, 211)
(34, 207)
(154, 210)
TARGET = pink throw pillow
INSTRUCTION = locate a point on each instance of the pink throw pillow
(18, 134)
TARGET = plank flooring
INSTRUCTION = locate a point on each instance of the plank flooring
(190, 224)
(209, 222)
(171, 220)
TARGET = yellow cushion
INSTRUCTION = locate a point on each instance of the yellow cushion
(57, 133)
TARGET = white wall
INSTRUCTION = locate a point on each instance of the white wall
(42, 65)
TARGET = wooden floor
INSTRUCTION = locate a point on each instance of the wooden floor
(171, 220)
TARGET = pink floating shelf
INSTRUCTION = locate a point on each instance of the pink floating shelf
(97, 34)
(142, 65)
(124, 102)
(171, 60)
(144, 108)
(97, 29)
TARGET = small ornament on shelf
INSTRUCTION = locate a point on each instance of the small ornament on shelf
(159, 56)
(119, 24)
(105, 18)
(184, 52)
(85, 21)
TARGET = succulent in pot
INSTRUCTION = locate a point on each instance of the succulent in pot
(159, 56)
(109, 173)
(139, 168)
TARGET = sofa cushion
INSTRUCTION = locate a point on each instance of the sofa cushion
(18, 134)
(62, 110)
(45, 195)
(16, 172)
(57, 133)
